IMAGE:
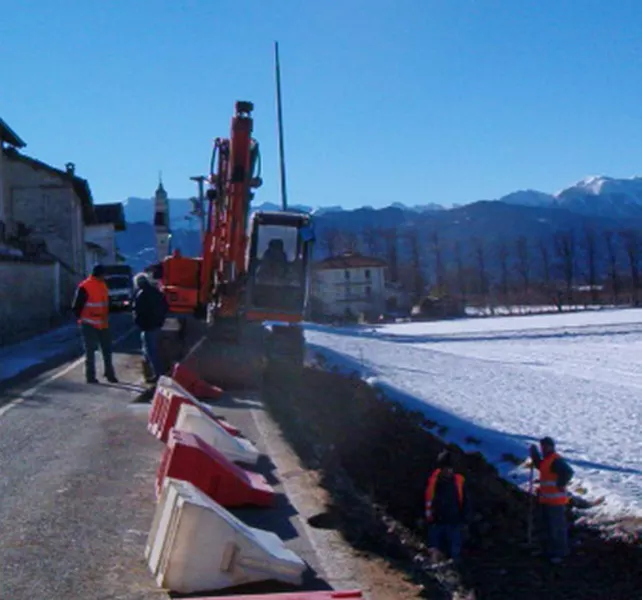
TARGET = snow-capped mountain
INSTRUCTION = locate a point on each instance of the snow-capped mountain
(596, 195)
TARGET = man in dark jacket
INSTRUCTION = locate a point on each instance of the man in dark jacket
(553, 499)
(448, 507)
(149, 311)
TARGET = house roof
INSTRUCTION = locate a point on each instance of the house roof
(111, 213)
(81, 186)
(94, 246)
(10, 136)
(349, 260)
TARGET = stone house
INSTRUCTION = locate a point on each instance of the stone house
(349, 285)
(54, 205)
(43, 213)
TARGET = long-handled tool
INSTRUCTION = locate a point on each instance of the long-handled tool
(530, 504)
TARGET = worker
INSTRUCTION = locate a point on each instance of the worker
(448, 508)
(553, 499)
(274, 262)
(149, 311)
(91, 307)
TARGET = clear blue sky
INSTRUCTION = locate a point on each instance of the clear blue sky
(410, 101)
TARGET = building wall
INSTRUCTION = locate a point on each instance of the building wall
(359, 290)
(29, 298)
(3, 217)
(105, 236)
(49, 206)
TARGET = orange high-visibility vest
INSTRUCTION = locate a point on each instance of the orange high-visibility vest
(548, 491)
(96, 309)
(430, 490)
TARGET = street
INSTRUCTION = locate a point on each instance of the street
(77, 468)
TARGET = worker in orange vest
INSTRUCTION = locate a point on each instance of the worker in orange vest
(91, 307)
(448, 507)
(553, 499)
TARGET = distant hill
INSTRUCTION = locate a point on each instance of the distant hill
(590, 208)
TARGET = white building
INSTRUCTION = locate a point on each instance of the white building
(350, 285)
(100, 235)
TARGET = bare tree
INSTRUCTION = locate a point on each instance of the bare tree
(330, 241)
(590, 247)
(523, 264)
(461, 274)
(350, 241)
(545, 256)
(565, 249)
(482, 270)
(502, 257)
(391, 237)
(415, 264)
(610, 241)
(371, 239)
(435, 246)
(631, 239)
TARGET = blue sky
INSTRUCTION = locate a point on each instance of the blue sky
(410, 101)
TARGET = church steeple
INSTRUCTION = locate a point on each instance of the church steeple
(161, 220)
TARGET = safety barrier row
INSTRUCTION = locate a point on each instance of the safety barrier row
(195, 544)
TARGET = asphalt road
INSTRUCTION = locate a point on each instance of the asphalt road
(76, 473)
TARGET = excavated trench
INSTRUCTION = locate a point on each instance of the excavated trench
(375, 457)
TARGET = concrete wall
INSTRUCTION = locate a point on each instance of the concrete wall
(49, 206)
(29, 298)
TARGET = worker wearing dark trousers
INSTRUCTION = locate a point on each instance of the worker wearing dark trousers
(448, 508)
(91, 307)
(553, 499)
(149, 311)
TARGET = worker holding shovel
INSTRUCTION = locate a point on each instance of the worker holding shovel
(553, 499)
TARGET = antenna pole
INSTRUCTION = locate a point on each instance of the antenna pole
(284, 193)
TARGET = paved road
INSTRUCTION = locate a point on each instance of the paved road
(76, 473)
(77, 468)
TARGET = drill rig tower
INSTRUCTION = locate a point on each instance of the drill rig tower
(161, 222)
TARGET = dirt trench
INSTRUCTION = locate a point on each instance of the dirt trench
(374, 458)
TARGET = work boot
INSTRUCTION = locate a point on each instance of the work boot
(112, 379)
(92, 380)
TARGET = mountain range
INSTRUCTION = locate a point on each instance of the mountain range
(597, 204)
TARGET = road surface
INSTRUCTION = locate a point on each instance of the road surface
(76, 465)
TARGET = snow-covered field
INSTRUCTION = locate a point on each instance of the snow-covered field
(508, 381)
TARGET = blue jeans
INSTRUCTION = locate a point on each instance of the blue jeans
(446, 539)
(150, 341)
(554, 530)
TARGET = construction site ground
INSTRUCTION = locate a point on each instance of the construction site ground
(78, 469)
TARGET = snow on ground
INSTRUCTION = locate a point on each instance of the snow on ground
(508, 381)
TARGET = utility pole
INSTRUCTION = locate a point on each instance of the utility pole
(201, 202)
(284, 194)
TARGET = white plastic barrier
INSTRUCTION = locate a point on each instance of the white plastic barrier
(195, 545)
(236, 449)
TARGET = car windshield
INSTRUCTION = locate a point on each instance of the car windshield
(118, 282)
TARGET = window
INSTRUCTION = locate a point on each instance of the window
(368, 292)
(347, 274)
(287, 237)
(368, 274)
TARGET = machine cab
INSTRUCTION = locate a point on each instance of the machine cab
(280, 256)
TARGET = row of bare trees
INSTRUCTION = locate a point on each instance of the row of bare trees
(565, 267)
